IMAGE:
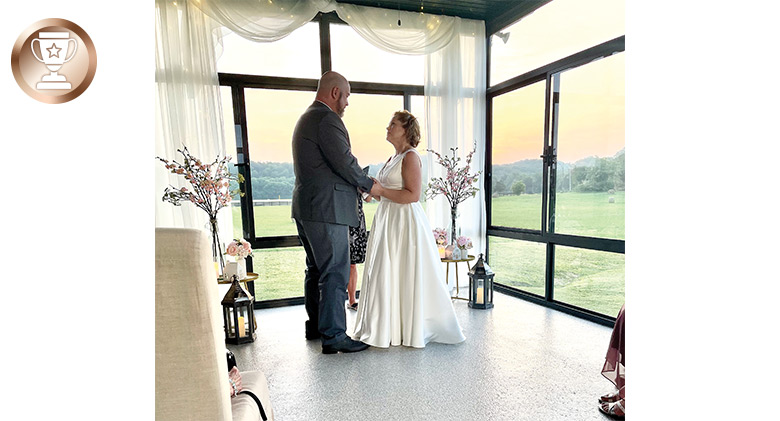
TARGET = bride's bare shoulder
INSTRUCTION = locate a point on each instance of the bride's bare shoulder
(412, 158)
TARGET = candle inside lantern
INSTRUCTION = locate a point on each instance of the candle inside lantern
(480, 295)
(241, 327)
(441, 252)
(216, 269)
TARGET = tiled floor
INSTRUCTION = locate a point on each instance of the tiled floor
(520, 361)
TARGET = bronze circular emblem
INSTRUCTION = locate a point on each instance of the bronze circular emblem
(54, 61)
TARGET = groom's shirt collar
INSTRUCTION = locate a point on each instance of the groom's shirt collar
(317, 100)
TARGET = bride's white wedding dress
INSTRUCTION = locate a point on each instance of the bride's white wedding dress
(403, 298)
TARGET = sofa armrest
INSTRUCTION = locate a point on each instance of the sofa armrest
(243, 406)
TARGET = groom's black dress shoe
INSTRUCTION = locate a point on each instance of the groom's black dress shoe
(345, 345)
(312, 335)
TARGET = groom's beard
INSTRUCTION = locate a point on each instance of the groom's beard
(339, 108)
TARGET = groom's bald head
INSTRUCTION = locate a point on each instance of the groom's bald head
(333, 90)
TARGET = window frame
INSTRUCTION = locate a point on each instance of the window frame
(549, 169)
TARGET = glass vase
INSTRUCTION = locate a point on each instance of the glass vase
(216, 247)
(453, 230)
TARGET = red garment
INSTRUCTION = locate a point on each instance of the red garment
(615, 365)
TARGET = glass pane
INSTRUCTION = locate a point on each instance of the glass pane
(594, 280)
(242, 56)
(230, 142)
(271, 118)
(520, 264)
(366, 118)
(591, 150)
(358, 60)
(281, 272)
(554, 31)
(518, 140)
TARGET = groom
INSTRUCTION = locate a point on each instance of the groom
(324, 205)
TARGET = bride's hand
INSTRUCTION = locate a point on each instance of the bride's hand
(376, 189)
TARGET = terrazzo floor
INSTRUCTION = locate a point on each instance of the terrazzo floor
(520, 361)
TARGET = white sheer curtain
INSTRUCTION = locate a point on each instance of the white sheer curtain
(455, 106)
(263, 20)
(419, 33)
(454, 71)
(187, 107)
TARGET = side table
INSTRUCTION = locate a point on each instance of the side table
(250, 277)
(447, 276)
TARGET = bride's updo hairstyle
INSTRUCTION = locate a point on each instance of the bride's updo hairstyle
(410, 125)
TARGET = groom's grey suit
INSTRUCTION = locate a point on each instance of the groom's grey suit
(324, 204)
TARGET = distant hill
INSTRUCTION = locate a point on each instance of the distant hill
(274, 180)
(587, 174)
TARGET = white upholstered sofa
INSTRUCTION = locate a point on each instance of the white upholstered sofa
(191, 376)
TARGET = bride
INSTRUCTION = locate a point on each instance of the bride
(403, 298)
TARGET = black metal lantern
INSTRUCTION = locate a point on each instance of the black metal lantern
(481, 285)
(238, 314)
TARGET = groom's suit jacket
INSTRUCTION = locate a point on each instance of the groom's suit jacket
(326, 172)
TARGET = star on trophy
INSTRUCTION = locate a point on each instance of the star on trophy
(54, 49)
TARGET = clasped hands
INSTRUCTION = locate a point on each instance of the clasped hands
(376, 191)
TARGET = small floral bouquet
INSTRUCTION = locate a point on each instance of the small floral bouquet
(458, 184)
(239, 249)
(440, 234)
(210, 189)
(464, 242)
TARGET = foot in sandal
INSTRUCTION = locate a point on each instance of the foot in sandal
(616, 410)
(610, 397)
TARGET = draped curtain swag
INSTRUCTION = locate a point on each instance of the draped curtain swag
(454, 74)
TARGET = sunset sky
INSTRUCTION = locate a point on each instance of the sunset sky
(592, 97)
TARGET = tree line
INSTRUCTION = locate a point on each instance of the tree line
(591, 174)
(275, 180)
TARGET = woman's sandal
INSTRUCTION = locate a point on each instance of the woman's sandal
(614, 409)
(610, 397)
(353, 306)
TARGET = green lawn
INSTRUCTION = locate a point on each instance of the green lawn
(588, 214)
(586, 278)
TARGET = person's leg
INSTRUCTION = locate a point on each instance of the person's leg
(352, 284)
(329, 244)
(311, 290)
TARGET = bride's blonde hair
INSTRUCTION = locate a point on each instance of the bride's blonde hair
(410, 125)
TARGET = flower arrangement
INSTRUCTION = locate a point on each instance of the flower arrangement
(210, 189)
(239, 249)
(464, 242)
(457, 186)
(440, 235)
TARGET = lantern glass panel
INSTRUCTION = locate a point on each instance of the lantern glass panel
(480, 298)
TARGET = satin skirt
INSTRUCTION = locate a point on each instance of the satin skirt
(404, 299)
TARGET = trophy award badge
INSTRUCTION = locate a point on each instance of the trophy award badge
(54, 61)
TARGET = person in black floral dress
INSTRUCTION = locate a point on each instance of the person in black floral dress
(357, 253)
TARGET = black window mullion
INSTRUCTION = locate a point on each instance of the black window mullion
(243, 162)
(552, 155)
(325, 63)
(545, 149)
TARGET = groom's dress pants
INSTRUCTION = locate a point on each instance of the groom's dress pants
(327, 276)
